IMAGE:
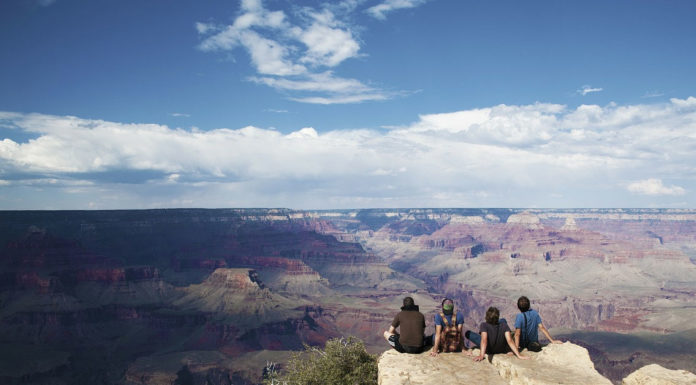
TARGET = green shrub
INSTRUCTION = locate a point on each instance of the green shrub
(343, 361)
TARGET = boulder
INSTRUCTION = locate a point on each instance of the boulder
(556, 364)
(657, 375)
(421, 369)
(565, 363)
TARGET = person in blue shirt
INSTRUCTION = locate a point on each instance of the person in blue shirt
(527, 325)
(448, 329)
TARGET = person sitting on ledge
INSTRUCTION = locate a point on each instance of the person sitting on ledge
(411, 324)
(527, 324)
(448, 329)
(494, 335)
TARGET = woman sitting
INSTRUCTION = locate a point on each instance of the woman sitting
(496, 337)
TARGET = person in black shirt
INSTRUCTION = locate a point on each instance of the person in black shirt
(496, 337)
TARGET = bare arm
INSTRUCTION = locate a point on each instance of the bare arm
(548, 335)
(390, 332)
(436, 343)
(518, 332)
(512, 345)
(484, 344)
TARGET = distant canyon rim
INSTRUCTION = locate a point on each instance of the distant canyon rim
(140, 296)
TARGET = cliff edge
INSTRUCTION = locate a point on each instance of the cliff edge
(565, 363)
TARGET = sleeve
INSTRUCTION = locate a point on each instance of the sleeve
(538, 319)
(460, 318)
(395, 322)
(505, 327)
(438, 320)
(482, 328)
(519, 321)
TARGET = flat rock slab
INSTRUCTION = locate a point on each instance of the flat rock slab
(565, 363)
(556, 364)
(657, 375)
(448, 368)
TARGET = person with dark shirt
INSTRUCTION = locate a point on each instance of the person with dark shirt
(411, 324)
(495, 336)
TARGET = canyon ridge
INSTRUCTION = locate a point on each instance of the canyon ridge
(152, 296)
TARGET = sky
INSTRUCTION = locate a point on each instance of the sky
(347, 104)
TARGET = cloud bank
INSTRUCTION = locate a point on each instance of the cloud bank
(539, 155)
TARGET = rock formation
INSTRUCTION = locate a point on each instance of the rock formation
(104, 293)
(555, 364)
(657, 375)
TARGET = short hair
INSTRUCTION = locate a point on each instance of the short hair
(408, 301)
(492, 315)
(523, 304)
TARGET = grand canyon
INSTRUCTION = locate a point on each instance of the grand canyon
(156, 296)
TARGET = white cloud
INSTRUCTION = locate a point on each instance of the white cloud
(587, 90)
(336, 89)
(527, 155)
(654, 186)
(652, 94)
(379, 11)
(320, 82)
(269, 57)
(296, 54)
(328, 44)
(180, 115)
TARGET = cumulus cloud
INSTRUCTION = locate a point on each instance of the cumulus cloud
(588, 90)
(379, 11)
(507, 155)
(654, 186)
(297, 53)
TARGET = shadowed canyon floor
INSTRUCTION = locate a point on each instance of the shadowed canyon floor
(153, 296)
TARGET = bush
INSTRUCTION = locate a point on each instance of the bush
(344, 361)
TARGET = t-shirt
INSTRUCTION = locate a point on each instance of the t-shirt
(412, 323)
(438, 319)
(496, 337)
(531, 332)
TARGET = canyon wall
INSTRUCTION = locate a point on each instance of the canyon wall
(152, 296)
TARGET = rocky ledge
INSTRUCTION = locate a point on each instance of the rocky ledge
(565, 363)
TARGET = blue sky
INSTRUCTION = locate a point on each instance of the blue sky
(347, 104)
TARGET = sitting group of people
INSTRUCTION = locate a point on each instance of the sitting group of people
(494, 335)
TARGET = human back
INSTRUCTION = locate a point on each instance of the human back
(448, 322)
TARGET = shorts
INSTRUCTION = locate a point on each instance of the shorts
(394, 342)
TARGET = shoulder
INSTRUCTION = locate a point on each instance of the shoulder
(535, 314)
(460, 317)
(504, 327)
(438, 318)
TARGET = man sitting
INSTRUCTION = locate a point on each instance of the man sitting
(527, 324)
(411, 324)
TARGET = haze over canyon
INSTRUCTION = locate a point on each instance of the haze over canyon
(150, 296)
